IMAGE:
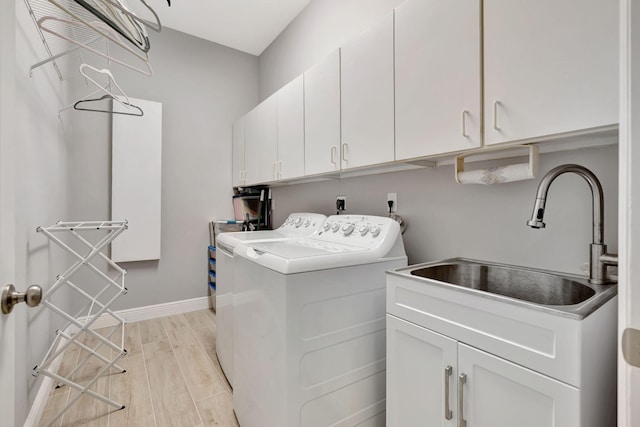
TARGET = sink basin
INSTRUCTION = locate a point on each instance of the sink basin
(557, 293)
(527, 285)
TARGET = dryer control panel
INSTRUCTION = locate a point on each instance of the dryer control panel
(359, 230)
(301, 224)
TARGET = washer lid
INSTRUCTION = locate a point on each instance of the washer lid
(290, 257)
(234, 239)
(299, 249)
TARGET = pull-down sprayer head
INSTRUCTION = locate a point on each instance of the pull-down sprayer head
(538, 214)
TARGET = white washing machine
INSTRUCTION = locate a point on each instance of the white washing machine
(296, 225)
(309, 333)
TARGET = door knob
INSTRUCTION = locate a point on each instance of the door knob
(10, 297)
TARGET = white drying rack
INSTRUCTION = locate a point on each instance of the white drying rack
(79, 324)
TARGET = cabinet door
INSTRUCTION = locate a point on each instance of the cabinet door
(498, 393)
(261, 142)
(437, 77)
(550, 67)
(322, 116)
(367, 97)
(416, 362)
(291, 130)
(238, 153)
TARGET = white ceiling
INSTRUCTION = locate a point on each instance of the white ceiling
(246, 25)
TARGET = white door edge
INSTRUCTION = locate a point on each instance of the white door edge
(8, 375)
(629, 218)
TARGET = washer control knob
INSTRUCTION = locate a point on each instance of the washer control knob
(348, 228)
(326, 226)
(363, 230)
(375, 230)
(336, 227)
(298, 222)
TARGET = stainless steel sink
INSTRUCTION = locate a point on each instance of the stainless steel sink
(527, 285)
(550, 291)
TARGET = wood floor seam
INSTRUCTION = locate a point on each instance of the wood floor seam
(146, 373)
(184, 377)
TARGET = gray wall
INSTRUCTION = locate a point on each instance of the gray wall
(444, 219)
(41, 185)
(484, 222)
(203, 87)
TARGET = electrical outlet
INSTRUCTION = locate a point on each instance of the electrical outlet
(341, 203)
(392, 197)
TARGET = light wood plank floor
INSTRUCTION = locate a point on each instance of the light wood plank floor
(172, 378)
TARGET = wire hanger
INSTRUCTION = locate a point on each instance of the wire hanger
(120, 97)
(137, 111)
(156, 26)
(119, 19)
(100, 28)
(134, 32)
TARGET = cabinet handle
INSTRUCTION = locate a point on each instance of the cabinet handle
(462, 379)
(279, 169)
(464, 123)
(345, 146)
(273, 170)
(448, 414)
(334, 151)
(495, 115)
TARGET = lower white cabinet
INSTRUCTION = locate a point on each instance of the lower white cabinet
(493, 392)
(421, 364)
(434, 380)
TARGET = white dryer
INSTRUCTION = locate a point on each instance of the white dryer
(309, 333)
(296, 225)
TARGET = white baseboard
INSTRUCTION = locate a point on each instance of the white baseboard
(153, 311)
(104, 321)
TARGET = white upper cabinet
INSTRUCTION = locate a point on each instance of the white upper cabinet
(290, 160)
(437, 77)
(322, 116)
(550, 67)
(238, 153)
(367, 97)
(261, 142)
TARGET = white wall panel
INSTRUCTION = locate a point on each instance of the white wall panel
(136, 182)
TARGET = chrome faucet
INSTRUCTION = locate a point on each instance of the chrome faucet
(599, 259)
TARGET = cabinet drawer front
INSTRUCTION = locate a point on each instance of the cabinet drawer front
(539, 340)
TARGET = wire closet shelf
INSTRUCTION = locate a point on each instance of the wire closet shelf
(56, 47)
